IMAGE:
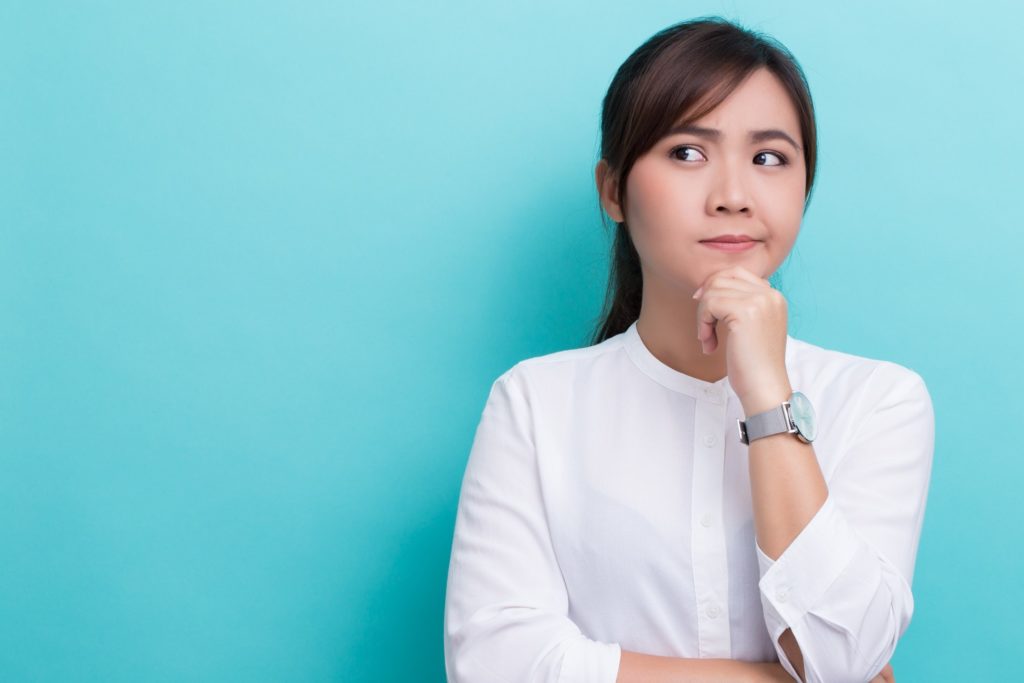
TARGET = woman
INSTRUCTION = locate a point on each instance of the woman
(697, 495)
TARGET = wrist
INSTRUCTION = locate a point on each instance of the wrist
(766, 398)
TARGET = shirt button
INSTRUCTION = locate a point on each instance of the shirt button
(712, 611)
(781, 595)
(709, 439)
(706, 519)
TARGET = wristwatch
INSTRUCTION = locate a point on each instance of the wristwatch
(794, 416)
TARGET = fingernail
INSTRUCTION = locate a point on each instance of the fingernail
(697, 293)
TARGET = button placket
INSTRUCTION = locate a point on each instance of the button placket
(710, 560)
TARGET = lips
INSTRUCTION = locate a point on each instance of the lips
(731, 244)
(731, 239)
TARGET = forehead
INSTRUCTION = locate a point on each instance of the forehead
(759, 101)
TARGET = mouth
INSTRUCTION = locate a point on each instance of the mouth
(731, 245)
(732, 237)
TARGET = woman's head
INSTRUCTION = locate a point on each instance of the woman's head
(668, 185)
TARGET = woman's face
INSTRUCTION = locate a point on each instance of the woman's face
(693, 186)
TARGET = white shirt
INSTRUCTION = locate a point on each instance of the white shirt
(606, 505)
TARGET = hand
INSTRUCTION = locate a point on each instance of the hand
(755, 316)
(886, 675)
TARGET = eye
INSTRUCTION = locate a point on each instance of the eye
(782, 159)
(684, 148)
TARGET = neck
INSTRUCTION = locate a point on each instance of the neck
(668, 327)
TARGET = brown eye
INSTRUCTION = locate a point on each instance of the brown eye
(782, 160)
(683, 149)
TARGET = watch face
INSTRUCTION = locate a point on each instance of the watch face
(803, 415)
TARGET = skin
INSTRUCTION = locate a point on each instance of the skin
(709, 313)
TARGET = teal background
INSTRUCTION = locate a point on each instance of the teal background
(260, 262)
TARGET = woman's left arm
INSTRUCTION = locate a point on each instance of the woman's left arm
(836, 561)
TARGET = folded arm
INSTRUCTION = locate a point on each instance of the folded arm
(836, 562)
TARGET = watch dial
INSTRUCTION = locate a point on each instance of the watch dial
(803, 415)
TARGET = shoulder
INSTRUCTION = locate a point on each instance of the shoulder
(866, 379)
(557, 366)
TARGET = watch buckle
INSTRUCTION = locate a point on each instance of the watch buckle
(743, 431)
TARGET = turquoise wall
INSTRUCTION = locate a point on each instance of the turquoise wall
(260, 262)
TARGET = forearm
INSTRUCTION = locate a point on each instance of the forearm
(635, 667)
(787, 490)
(786, 484)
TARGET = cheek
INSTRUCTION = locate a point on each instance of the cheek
(659, 208)
(796, 199)
(782, 209)
(659, 220)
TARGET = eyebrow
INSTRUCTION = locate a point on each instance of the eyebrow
(755, 135)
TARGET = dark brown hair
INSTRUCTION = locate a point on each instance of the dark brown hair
(688, 68)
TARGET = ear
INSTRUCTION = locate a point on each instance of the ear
(608, 190)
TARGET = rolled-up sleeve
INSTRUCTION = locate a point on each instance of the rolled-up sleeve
(843, 585)
(506, 603)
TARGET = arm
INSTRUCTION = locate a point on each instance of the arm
(506, 603)
(792, 649)
(781, 514)
(836, 561)
(641, 668)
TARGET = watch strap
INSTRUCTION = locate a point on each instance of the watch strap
(772, 421)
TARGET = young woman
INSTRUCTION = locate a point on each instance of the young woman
(698, 495)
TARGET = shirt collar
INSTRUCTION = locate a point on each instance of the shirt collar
(713, 392)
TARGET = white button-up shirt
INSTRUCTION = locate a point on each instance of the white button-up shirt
(606, 505)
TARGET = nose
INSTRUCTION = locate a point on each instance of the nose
(728, 194)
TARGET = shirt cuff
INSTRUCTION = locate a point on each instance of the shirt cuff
(795, 582)
(590, 661)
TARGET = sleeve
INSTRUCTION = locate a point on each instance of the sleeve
(844, 583)
(506, 604)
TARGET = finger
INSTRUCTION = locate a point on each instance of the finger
(722, 279)
(720, 303)
(745, 274)
(706, 321)
(716, 303)
(712, 310)
(729, 287)
(706, 335)
(707, 332)
(735, 274)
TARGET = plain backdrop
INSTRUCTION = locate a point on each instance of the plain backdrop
(260, 263)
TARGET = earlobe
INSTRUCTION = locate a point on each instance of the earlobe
(608, 189)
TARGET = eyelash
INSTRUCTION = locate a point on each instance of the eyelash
(782, 158)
